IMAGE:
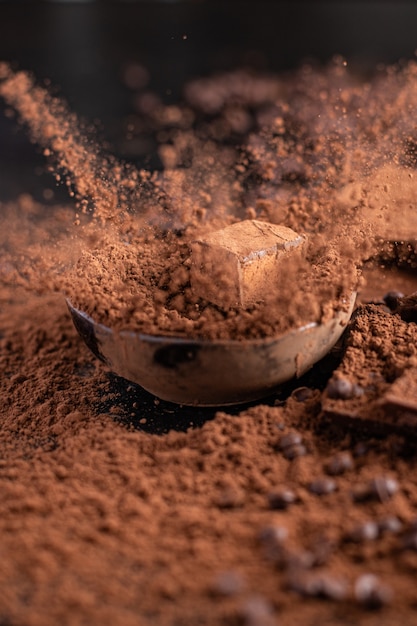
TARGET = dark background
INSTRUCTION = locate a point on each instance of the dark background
(83, 47)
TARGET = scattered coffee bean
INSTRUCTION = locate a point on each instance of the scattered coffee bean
(384, 487)
(291, 439)
(257, 611)
(406, 308)
(367, 531)
(339, 388)
(339, 464)
(276, 535)
(228, 584)
(318, 584)
(381, 488)
(301, 394)
(390, 525)
(322, 549)
(392, 299)
(322, 486)
(292, 452)
(296, 560)
(272, 540)
(291, 446)
(281, 499)
(371, 593)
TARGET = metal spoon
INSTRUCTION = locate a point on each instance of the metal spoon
(210, 373)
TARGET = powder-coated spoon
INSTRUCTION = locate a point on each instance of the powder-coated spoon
(211, 373)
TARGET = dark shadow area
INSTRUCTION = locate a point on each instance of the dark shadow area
(141, 410)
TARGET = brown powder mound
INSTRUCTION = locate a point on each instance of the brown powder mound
(374, 380)
(261, 513)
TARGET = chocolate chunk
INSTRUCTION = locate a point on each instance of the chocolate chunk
(236, 265)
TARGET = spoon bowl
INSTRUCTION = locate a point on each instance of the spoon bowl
(211, 373)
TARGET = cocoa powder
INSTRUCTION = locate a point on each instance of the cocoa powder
(117, 508)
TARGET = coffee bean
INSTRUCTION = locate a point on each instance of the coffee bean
(301, 394)
(272, 540)
(339, 464)
(339, 388)
(371, 593)
(281, 499)
(257, 611)
(291, 445)
(228, 584)
(383, 487)
(390, 525)
(292, 452)
(322, 549)
(291, 439)
(367, 531)
(275, 535)
(332, 587)
(392, 299)
(296, 560)
(318, 584)
(322, 486)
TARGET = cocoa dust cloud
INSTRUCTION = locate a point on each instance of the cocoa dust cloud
(300, 509)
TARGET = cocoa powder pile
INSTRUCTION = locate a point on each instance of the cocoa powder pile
(118, 508)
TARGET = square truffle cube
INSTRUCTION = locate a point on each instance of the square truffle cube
(237, 265)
